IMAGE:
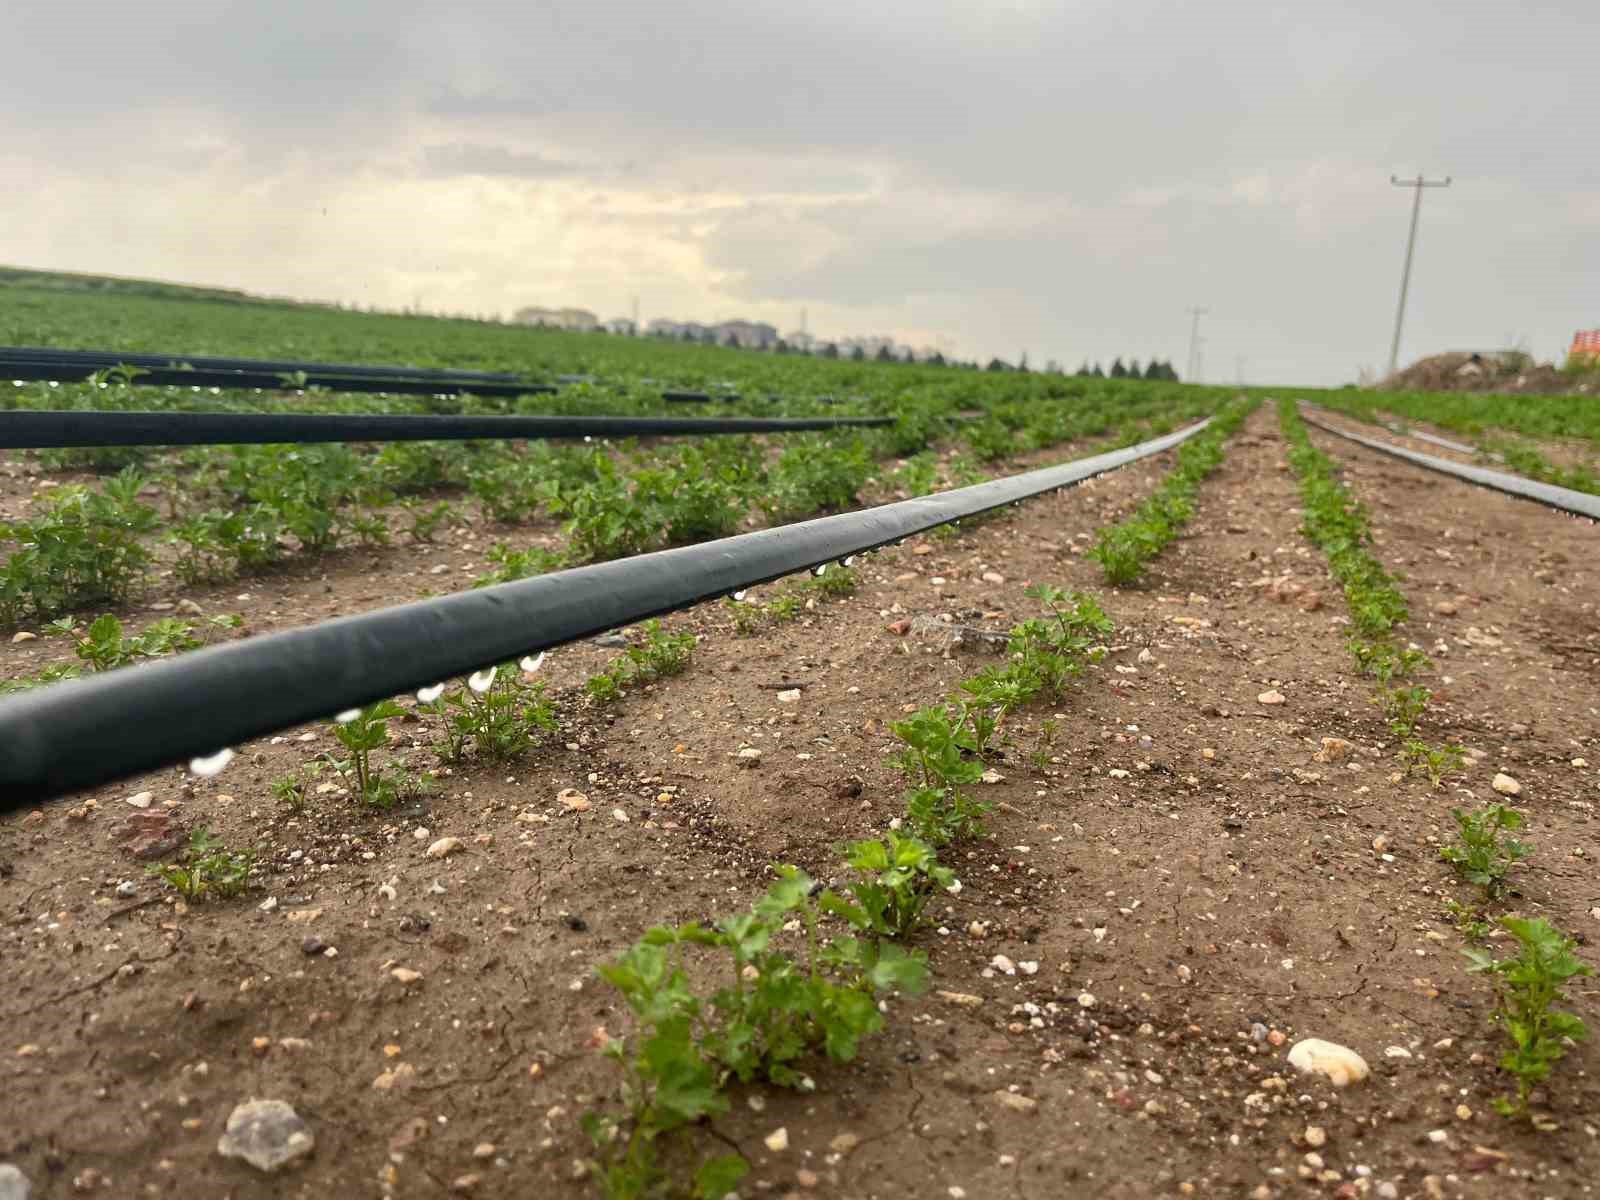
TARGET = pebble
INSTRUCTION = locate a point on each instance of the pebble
(1506, 785)
(572, 800)
(806, 1178)
(405, 975)
(140, 799)
(960, 999)
(127, 889)
(14, 1184)
(1396, 1052)
(443, 847)
(611, 641)
(749, 757)
(1016, 1102)
(844, 1143)
(1003, 964)
(1341, 1065)
(1273, 697)
(270, 904)
(267, 1134)
(1086, 1000)
(993, 577)
(23, 636)
(789, 696)
(483, 1150)
(778, 1140)
(1333, 750)
(313, 946)
(1316, 1136)
(1387, 1191)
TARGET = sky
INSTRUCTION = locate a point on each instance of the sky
(1065, 179)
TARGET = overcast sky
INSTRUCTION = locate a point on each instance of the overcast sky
(1064, 178)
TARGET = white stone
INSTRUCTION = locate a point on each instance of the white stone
(444, 846)
(140, 799)
(778, 1140)
(1341, 1065)
(1272, 697)
(1506, 785)
(267, 1134)
(14, 1184)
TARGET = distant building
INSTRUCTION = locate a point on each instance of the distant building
(800, 340)
(1585, 346)
(622, 326)
(579, 320)
(751, 335)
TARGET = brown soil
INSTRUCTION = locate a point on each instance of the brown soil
(1512, 374)
(1171, 897)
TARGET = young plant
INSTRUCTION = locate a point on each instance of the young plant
(1481, 856)
(941, 760)
(1527, 989)
(209, 869)
(361, 731)
(902, 876)
(498, 714)
(294, 789)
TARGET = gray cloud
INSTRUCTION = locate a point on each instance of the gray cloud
(1063, 176)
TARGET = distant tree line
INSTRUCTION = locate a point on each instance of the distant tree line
(1156, 370)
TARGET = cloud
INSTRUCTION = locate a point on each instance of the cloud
(465, 158)
(1065, 176)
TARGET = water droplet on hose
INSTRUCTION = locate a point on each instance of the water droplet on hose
(429, 694)
(821, 567)
(740, 594)
(211, 764)
(348, 715)
(532, 663)
(848, 559)
(481, 681)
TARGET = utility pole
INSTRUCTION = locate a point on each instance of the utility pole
(1193, 375)
(636, 329)
(1411, 243)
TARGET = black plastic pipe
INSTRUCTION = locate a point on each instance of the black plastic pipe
(101, 359)
(25, 430)
(1579, 504)
(83, 732)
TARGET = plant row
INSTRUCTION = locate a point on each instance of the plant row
(1122, 550)
(807, 972)
(1337, 524)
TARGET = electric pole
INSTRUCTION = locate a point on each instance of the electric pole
(1193, 375)
(1411, 243)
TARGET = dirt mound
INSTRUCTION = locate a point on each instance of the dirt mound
(1501, 371)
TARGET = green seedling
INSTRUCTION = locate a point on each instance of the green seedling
(903, 874)
(209, 869)
(498, 715)
(785, 607)
(1481, 856)
(1527, 989)
(362, 731)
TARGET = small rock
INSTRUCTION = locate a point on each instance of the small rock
(465, 1183)
(806, 1178)
(270, 904)
(1016, 1102)
(1086, 1000)
(1506, 785)
(400, 1075)
(748, 757)
(483, 1150)
(313, 946)
(1387, 1191)
(1333, 750)
(443, 847)
(789, 696)
(844, 1143)
(1003, 964)
(993, 577)
(405, 975)
(127, 889)
(611, 641)
(1316, 1136)
(960, 999)
(572, 800)
(778, 1140)
(267, 1134)
(14, 1184)
(1341, 1065)
(140, 799)
(1396, 1052)
(1438, 1136)
(1447, 608)
(23, 636)
(1272, 697)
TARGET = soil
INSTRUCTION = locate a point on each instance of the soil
(1458, 372)
(1164, 846)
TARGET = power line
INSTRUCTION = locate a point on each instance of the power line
(1411, 241)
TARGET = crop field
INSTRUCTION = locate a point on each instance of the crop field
(1020, 857)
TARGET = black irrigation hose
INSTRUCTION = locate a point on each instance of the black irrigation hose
(24, 430)
(1579, 504)
(102, 359)
(72, 735)
(58, 372)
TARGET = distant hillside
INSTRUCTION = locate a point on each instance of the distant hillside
(66, 281)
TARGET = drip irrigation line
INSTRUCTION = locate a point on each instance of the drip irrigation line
(24, 430)
(1579, 504)
(58, 372)
(102, 359)
(83, 732)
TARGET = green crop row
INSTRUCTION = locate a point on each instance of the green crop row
(1122, 550)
